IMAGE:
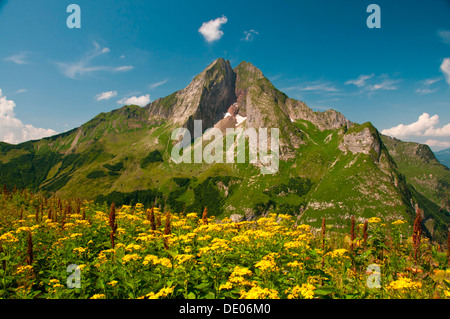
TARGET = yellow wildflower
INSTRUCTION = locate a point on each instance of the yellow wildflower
(130, 257)
(228, 285)
(181, 258)
(295, 264)
(79, 250)
(374, 220)
(257, 292)
(164, 292)
(404, 283)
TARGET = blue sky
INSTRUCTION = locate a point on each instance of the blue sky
(53, 78)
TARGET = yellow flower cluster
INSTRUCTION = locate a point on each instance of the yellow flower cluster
(164, 292)
(237, 278)
(131, 257)
(257, 292)
(306, 291)
(337, 253)
(182, 258)
(218, 245)
(268, 263)
(404, 283)
(374, 220)
(157, 261)
(79, 250)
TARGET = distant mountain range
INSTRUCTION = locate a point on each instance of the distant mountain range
(328, 166)
(443, 157)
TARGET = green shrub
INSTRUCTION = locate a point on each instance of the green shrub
(152, 157)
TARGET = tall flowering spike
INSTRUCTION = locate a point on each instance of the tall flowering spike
(112, 224)
(448, 248)
(152, 218)
(158, 220)
(49, 213)
(323, 241)
(3, 261)
(68, 211)
(417, 231)
(352, 232)
(167, 230)
(83, 214)
(205, 216)
(29, 249)
(37, 215)
(323, 232)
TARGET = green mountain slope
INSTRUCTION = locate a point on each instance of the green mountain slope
(328, 166)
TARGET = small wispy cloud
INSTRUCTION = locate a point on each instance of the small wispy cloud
(371, 83)
(136, 100)
(155, 85)
(211, 29)
(444, 35)
(426, 86)
(21, 91)
(123, 68)
(445, 68)
(19, 58)
(105, 95)
(313, 87)
(249, 35)
(84, 65)
(360, 81)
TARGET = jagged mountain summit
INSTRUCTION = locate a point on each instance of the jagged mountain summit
(328, 166)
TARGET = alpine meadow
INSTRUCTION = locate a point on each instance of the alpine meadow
(224, 157)
(347, 215)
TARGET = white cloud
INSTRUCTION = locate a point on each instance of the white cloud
(249, 35)
(123, 68)
(155, 85)
(445, 68)
(360, 81)
(381, 82)
(444, 35)
(425, 89)
(20, 58)
(105, 95)
(426, 125)
(84, 66)
(141, 100)
(12, 130)
(21, 91)
(315, 87)
(435, 143)
(211, 29)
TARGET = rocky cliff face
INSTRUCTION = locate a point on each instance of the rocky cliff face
(250, 100)
(206, 98)
(363, 141)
